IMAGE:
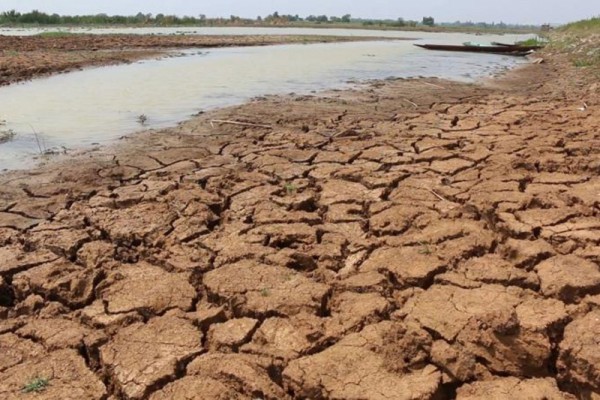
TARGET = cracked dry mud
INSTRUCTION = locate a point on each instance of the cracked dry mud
(362, 248)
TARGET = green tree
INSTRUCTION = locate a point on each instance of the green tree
(428, 21)
(10, 16)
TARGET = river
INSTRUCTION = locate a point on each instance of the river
(98, 105)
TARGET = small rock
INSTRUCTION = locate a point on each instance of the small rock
(147, 289)
(579, 359)
(568, 278)
(28, 306)
(229, 336)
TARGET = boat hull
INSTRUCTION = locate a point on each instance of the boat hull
(506, 50)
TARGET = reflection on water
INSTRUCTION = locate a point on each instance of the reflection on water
(101, 104)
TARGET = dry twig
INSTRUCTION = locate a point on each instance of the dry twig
(431, 84)
(222, 121)
(414, 104)
(438, 195)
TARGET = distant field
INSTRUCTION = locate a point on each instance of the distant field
(591, 25)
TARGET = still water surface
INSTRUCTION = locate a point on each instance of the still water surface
(99, 105)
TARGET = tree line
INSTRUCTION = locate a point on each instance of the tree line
(13, 17)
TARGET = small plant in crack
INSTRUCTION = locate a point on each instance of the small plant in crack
(290, 188)
(40, 143)
(265, 292)
(425, 249)
(36, 385)
(142, 118)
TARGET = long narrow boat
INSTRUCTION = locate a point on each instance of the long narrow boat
(506, 50)
(536, 47)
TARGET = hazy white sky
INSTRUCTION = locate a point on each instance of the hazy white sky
(516, 11)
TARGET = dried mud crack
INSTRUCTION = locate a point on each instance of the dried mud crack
(362, 248)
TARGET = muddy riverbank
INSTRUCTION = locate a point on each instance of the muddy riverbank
(27, 57)
(410, 239)
(99, 105)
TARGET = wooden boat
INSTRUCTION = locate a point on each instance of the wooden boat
(501, 44)
(516, 45)
(472, 44)
(519, 51)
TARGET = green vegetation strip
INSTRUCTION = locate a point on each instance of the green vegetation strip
(580, 41)
(427, 23)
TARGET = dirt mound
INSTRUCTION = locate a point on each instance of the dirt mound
(579, 360)
(359, 366)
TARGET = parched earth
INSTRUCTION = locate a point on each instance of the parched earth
(352, 246)
(27, 57)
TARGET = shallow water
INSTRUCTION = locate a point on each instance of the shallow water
(101, 104)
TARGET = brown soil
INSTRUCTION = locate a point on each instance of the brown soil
(23, 58)
(358, 248)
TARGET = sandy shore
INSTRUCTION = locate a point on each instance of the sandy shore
(410, 239)
(27, 57)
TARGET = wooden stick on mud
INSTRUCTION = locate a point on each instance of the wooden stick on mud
(222, 121)
(438, 195)
(414, 104)
(431, 84)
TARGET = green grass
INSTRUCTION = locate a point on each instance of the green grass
(425, 250)
(579, 41)
(290, 188)
(536, 41)
(584, 62)
(36, 385)
(55, 34)
(591, 25)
